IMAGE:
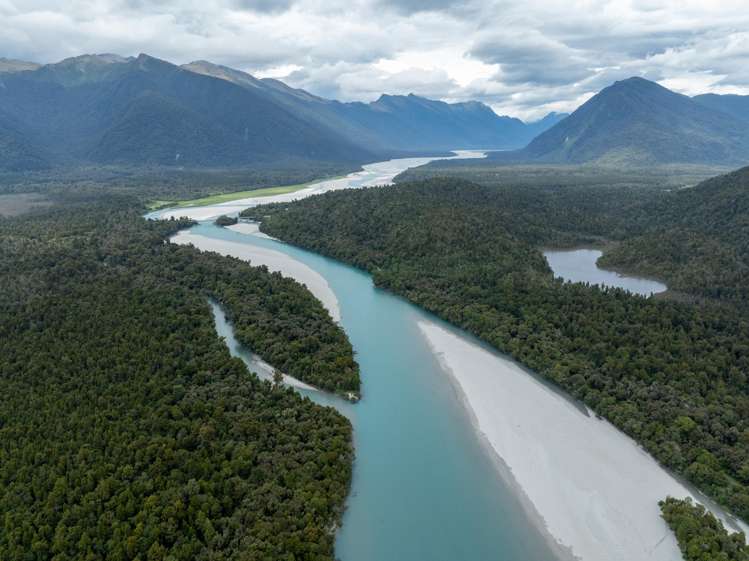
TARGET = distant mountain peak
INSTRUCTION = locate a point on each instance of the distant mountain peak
(734, 105)
(147, 61)
(637, 121)
(88, 59)
(635, 80)
(82, 69)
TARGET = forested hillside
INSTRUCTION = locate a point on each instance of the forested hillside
(671, 375)
(142, 111)
(127, 430)
(395, 122)
(639, 122)
(735, 105)
(669, 223)
(697, 239)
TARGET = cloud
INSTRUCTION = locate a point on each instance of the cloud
(273, 6)
(523, 57)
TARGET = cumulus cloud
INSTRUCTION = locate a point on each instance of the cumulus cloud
(524, 58)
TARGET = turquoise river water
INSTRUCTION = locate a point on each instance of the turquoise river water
(426, 485)
(424, 488)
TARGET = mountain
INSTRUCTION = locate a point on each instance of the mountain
(735, 105)
(636, 121)
(17, 151)
(416, 122)
(394, 122)
(11, 65)
(542, 125)
(106, 109)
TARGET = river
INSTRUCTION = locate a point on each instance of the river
(378, 173)
(461, 454)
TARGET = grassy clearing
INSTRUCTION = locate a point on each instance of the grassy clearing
(237, 195)
(156, 205)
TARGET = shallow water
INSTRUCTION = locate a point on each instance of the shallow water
(579, 265)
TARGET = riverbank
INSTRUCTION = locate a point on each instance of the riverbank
(274, 260)
(256, 364)
(594, 488)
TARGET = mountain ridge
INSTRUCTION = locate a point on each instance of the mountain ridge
(636, 121)
(735, 105)
(402, 122)
(106, 109)
(141, 110)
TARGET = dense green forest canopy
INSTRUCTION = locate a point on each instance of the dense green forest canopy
(127, 431)
(672, 224)
(670, 374)
(697, 239)
(701, 536)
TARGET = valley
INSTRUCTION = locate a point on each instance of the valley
(441, 283)
(496, 404)
(518, 309)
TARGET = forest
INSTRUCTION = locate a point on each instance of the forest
(701, 536)
(671, 374)
(686, 226)
(697, 239)
(127, 431)
(160, 185)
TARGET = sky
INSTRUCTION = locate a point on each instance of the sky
(523, 58)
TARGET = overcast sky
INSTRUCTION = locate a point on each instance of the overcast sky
(524, 58)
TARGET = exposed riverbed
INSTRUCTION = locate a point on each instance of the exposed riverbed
(378, 173)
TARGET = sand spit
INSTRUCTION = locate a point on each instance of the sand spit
(596, 490)
(249, 229)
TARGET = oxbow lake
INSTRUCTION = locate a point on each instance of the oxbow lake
(580, 265)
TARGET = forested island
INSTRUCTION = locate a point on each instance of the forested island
(127, 429)
(670, 374)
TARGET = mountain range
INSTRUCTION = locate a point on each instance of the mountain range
(107, 109)
(111, 110)
(636, 121)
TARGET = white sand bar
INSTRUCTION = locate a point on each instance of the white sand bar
(274, 260)
(596, 490)
(249, 229)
